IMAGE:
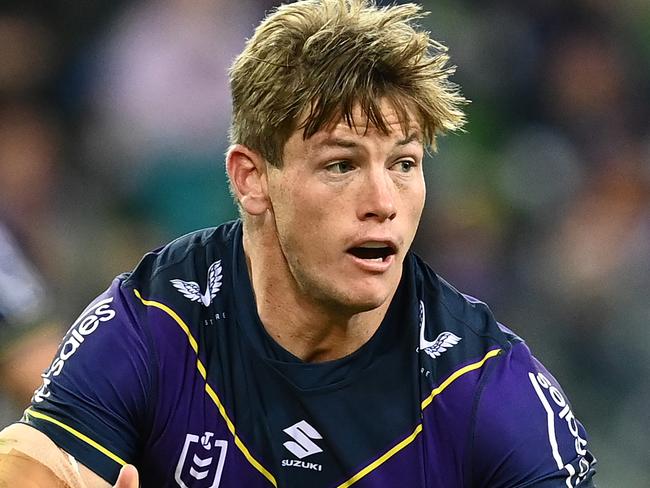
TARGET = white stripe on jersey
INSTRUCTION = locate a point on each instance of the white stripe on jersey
(550, 420)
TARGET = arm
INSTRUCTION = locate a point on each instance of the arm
(525, 432)
(94, 413)
(29, 458)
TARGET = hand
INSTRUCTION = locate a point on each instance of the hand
(128, 477)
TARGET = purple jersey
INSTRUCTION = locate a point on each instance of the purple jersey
(171, 370)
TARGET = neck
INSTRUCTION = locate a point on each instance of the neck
(309, 329)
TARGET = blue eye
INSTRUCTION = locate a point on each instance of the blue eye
(405, 165)
(340, 167)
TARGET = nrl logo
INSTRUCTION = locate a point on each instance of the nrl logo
(192, 290)
(440, 344)
(201, 461)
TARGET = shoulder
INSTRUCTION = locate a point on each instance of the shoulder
(186, 254)
(525, 428)
(447, 315)
(522, 428)
(188, 269)
(81, 398)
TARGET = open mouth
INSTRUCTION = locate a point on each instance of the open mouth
(373, 251)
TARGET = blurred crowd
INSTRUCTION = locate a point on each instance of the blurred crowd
(113, 125)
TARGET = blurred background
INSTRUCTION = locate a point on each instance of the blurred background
(113, 125)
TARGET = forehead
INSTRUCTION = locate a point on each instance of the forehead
(360, 125)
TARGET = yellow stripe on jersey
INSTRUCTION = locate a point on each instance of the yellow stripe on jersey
(457, 374)
(211, 393)
(375, 464)
(173, 315)
(32, 413)
(402, 444)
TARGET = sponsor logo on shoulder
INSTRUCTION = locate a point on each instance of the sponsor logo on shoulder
(440, 344)
(302, 446)
(192, 291)
(86, 324)
(561, 412)
(201, 461)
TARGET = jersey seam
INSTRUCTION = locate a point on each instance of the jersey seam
(469, 466)
(152, 359)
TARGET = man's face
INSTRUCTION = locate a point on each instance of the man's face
(347, 203)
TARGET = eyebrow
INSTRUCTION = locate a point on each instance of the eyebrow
(348, 143)
(413, 136)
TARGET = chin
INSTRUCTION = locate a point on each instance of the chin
(361, 300)
(352, 295)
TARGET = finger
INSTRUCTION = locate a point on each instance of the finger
(128, 477)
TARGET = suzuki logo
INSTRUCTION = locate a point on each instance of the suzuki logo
(302, 445)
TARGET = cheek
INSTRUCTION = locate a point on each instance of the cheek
(305, 209)
(299, 215)
(415, 197)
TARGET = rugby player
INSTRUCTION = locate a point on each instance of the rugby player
(304, 344)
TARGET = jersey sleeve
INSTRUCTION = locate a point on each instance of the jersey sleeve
(525, 431)
(94, 398)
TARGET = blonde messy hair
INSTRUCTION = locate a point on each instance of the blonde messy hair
(310, 63)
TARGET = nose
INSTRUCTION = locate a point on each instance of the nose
(377, 196)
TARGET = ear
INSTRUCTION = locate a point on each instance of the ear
(247, 172)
